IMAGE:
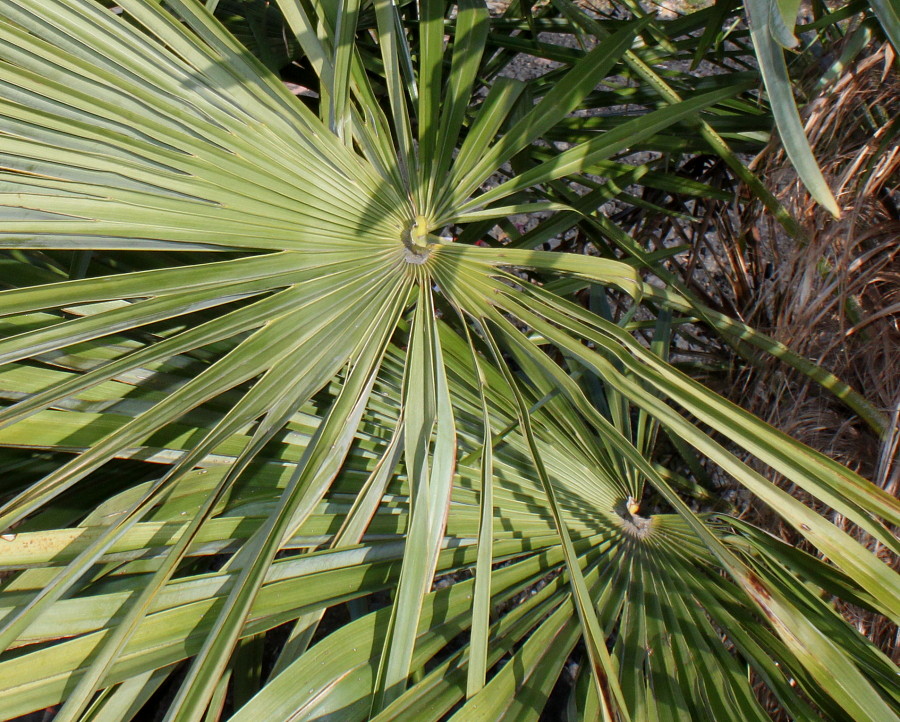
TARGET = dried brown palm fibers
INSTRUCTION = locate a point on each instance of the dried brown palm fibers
(836, 298)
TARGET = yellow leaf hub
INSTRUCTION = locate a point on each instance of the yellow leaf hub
(420, 232)
(632, 506)
(419, 242)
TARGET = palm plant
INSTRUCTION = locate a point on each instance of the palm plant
(288, 435)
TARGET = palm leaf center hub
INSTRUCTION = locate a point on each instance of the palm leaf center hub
(419, 242)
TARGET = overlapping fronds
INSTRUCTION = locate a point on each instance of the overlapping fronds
(279, 384)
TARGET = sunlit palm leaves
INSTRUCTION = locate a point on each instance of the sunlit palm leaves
(346, 403)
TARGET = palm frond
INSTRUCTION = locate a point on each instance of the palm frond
(283, 387)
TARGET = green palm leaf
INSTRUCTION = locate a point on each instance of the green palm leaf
(279, 392)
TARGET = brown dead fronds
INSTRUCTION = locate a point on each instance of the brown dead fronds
(835, 297)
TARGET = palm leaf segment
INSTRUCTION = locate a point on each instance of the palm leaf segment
(351, 389)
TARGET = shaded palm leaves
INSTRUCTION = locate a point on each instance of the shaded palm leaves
(300, 378)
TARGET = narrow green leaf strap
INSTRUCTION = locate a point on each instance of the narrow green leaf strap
(602, 668)
(481, 599)
(428, 412)
(765, 22)
(469, 42)
(555, 105)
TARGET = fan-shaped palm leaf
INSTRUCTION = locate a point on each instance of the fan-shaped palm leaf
(343, 402)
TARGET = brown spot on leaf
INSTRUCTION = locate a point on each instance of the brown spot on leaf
(762, 596)
(758, 586)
